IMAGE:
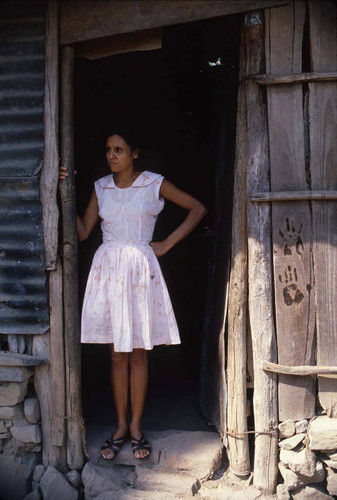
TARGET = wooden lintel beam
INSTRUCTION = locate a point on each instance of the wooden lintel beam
(298, 370)
(293, 196)
(297, 78)
(88, 19)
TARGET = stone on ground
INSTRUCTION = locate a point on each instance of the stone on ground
(301, 426)
(14, 373)
(132, 494)
(38, 472)
(32, 410)
(98, 479)
(27, 433)
(294, 480)
(330, 463)
(15, 475)
(286, 428)
(292, 442)
(33, 495)
(310, 493)
(302, 462)
(323, 434)
(54, 486)
(331, 480)
(152, 480)
(74, 477)
(10, 412)
(282, 492)
(12, 393)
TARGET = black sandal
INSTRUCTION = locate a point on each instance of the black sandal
(114, 445)
(140, 444)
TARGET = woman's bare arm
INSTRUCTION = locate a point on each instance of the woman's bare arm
(89, 220)
(85, 224)
(196, 212)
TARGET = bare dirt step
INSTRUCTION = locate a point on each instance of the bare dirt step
(195, 453)
(151, 480)
(131, 494)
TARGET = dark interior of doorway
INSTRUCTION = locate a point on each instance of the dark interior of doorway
(182, 101)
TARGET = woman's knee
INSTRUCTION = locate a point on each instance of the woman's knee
(119, 358)
(138, 357)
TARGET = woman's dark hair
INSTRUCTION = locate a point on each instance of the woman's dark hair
(128, 134)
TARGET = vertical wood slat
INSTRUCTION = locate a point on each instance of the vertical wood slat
(261, 315)
(51, 455)
(238, 446)
(292, 227)
(57, 356)
(323, 155)
(75, 425)
(49, 172)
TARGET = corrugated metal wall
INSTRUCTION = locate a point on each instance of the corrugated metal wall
(23, 292)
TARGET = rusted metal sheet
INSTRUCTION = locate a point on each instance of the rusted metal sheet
(23, 292)
(23, 297)
(21, 87)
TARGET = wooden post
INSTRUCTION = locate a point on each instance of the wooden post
(237, 300)
(75, 426)
(292, 225)
(49, 172)
(51, 455)
(323, 154)
(261, 315)
(57, 356)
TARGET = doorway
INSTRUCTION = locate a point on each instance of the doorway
(181, 98)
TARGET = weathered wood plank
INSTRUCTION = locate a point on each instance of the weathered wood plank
(75, 426)
(323, 155)
(298, 370)
(51, 455)
(238, 446)
(300, 78)
(293, 196)
(261, 315)
(84, 20)
(49, 172)
(57, 355)
(293, 274)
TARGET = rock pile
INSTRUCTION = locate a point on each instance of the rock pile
(308, 459)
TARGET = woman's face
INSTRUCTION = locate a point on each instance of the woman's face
(118, 154)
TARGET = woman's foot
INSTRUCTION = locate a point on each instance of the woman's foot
(113, 444)
(140, 447)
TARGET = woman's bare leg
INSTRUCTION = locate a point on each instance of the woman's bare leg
(138, 389)
(119, 384)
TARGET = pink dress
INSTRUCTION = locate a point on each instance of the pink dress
(126, 300)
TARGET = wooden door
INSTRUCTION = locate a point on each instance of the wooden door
(212, 386)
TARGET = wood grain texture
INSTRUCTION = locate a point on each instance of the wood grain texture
(292, 225)
(50, 171)
(74, 422)
(323, 164)
(298, 370)
(293, 196)
(85, 20)
(51, 455)
(261, 315)
(238, 447)
(57, 356)
(299, 78)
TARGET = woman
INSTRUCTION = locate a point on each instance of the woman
(126, 303)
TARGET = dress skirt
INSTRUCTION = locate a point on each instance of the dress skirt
(126, 301)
